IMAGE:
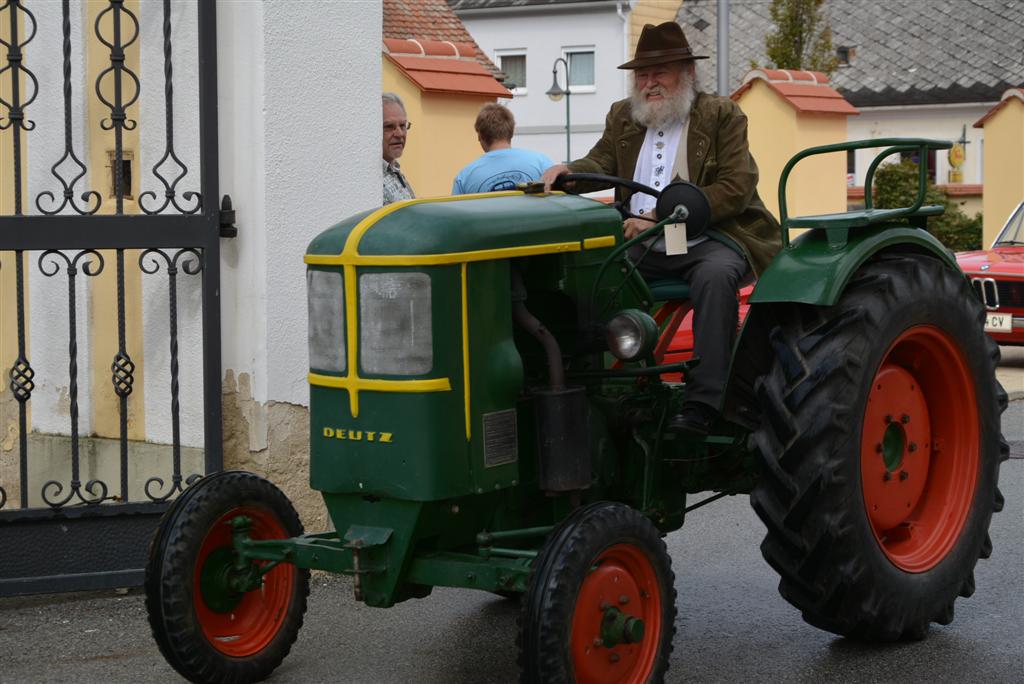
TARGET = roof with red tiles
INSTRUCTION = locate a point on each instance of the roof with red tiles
(437, 67)
(808, 92)
(1008, 96)
(431, 21)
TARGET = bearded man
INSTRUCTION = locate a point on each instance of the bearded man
(668, 130)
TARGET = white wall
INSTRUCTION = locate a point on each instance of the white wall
(299, 149)
(299, 122)
(943, 122)
(152, 117)
(47, 300)
(544, 33)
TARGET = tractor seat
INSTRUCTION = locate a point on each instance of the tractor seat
(669, 289)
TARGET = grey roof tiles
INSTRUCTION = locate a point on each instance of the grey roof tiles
(909, 52)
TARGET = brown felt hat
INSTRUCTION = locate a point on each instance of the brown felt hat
(659, 45)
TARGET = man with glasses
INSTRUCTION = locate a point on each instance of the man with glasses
(396, 125)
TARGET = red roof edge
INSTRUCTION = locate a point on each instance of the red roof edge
(464, 77)
(403, 46)
(1010, 94)
(435, 30)
(806, 91)
(432, 48)
(949, 189)
(439, 48)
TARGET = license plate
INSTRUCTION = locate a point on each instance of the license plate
(998, 322)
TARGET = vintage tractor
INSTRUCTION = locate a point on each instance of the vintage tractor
(488, 410)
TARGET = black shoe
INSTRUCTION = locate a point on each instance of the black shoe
(695, 419)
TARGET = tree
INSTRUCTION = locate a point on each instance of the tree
(802, 38)
(896, 186)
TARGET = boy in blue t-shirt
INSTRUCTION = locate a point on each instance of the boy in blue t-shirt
(502, 166)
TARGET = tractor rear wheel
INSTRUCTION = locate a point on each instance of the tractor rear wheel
(880, 449)
(206, 628)
(600, 606)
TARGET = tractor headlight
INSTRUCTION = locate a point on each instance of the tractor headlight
(631, 334)
(395, 324)
(326, 321)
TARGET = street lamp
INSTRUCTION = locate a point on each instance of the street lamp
(556, 93)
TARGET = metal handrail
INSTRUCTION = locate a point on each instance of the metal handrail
(893, 145)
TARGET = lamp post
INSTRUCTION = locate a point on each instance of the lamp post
(556, 93)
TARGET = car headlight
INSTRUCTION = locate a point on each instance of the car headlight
(326, 320)
(631, 334)
(395, 324)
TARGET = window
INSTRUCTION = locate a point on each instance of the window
(581, 69)
(513, 63)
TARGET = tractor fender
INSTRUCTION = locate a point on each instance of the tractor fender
(809, 271)
(812, 271)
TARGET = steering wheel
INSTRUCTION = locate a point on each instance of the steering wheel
(684, 200)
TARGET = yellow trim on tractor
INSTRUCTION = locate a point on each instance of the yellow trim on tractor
(350, 258)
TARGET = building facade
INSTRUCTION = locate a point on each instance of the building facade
(526, 38)
(135, 359)
(912, 70)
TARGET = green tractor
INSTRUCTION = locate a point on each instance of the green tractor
(488, 409)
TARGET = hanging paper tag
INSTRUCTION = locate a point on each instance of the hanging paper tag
(675, 239)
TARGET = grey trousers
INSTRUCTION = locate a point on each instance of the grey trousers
(714, 273)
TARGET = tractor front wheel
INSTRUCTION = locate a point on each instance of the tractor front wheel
(214, 621)
(880, 450)
(600, 606)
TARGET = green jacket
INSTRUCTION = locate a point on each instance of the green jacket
(720, 163)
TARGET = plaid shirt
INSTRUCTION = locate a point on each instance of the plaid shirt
(396, 187)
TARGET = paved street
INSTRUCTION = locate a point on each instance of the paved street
(732, 624)
(1011, 371)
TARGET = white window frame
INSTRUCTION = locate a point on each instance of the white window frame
(566, 50)
(514, 52)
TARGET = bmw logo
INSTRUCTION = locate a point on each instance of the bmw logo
(985, 267)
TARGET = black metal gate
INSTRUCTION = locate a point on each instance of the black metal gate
(65, 534)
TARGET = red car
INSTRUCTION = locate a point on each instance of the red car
(998, 276)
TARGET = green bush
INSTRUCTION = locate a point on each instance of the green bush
(896, 186)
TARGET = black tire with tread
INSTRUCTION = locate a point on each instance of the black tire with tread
(819, 538)
(548, 605)
(169, 579)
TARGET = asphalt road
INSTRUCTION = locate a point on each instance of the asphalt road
(732, 624)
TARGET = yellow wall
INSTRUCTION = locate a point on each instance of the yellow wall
(776, 132)
(103, 299)
(442, 139)
(8, 265)
(10, 472)
(1004, 166)
(650, 12)
(970, 204)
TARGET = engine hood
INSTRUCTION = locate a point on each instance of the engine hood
(1006, 260)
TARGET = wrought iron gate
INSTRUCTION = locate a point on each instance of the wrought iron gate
(65, 534)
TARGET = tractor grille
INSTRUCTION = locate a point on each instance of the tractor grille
(500, 443)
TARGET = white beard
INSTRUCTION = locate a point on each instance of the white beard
(675, 108)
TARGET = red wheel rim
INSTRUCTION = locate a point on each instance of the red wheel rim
(919, 449)
(256, 619)
(621, 578)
